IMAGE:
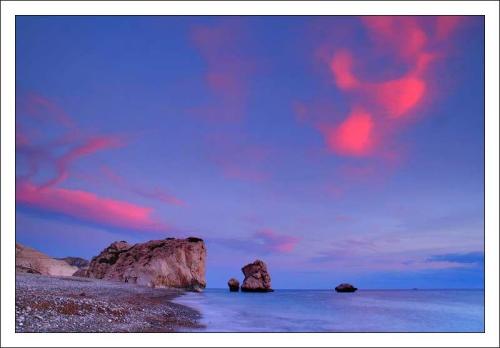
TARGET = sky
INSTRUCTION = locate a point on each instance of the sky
(334, 148)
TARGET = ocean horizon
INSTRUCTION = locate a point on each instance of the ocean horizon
(367, 310)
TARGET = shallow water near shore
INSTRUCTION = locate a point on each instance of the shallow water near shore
(328, 311)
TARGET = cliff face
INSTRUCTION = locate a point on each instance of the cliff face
(29, 260)
(176, 263)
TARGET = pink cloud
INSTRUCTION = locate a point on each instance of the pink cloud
(227, 70)
(275, 242)
(60, 154)
(354, 136)
(398, 97)
(155, 193)
(401, 34)
(87, 206)
(88, 147)
(378, 105)
(36, 105)
(447, 25)
(341, 66)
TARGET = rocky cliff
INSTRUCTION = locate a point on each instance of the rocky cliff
(176, 263)
(29, 260)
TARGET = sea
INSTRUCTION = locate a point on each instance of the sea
(329, 311)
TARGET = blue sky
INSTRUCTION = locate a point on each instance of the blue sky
(333, 148)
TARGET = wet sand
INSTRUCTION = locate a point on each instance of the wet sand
(74, 304)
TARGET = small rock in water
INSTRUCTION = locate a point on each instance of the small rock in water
(345, 287)
(234, 284)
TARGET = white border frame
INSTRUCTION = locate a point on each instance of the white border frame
(488, 8)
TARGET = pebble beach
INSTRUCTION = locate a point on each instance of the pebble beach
(74, 304)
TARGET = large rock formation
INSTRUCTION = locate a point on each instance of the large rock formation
(234, 285)
(257, 278)
(176, 263)
(29, 260)
(345, 287)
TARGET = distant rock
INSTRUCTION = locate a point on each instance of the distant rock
(257, 279)
(75, 261)
(234, 285)
(344, 287)
(175, 263)
(29, 260)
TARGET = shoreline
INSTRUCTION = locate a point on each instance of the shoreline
(74, 304)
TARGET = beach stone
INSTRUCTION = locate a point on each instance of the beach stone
(257, 278)
(29, 260)
(345, 287)
(234, 285)
(175, 263)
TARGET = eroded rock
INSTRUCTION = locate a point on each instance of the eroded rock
(175, 263)
(257, 278)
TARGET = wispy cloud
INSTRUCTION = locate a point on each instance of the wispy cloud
(155, 193)
(88, 206)
(37, 106)
(86, 148)
(228, 69)
(476, 257)
(49, 165)
(262, 242)
(276, 242)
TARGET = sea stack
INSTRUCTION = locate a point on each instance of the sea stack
(167, 263)
(257, 279)
(234, 285)
(345, 287)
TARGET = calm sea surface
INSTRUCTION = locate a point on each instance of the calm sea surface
(328, 311)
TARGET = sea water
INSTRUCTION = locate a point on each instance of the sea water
(328, 311)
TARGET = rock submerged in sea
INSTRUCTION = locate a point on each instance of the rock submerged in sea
(345, 287)
(234, 285)
(167, 263)
(257, 278)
